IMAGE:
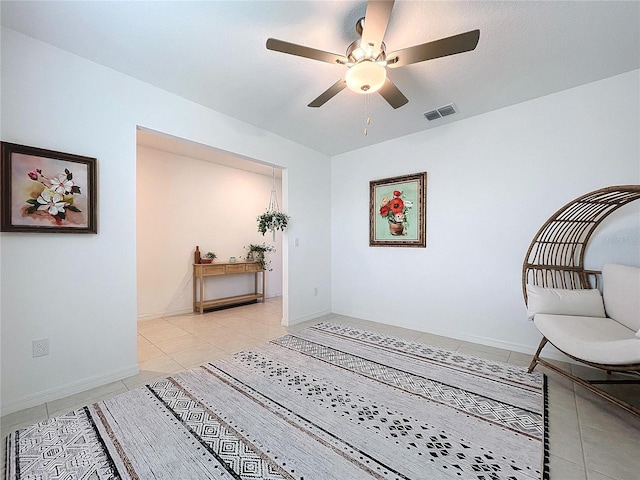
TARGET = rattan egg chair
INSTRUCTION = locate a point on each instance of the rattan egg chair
(555, 259)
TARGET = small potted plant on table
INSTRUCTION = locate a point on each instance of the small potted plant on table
(256, 252)
(209, 257)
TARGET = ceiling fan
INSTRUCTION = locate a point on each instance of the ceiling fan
(368, 60)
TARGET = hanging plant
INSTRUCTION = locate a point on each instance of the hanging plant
(272, 221)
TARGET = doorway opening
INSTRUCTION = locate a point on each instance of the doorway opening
(189, 195)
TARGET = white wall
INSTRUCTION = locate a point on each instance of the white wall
(80, 290)
(492, 181)
(183, 202)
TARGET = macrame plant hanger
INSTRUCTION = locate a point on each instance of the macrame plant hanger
(273, 200)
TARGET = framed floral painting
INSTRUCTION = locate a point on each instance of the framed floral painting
(397, 211)
(47, 191)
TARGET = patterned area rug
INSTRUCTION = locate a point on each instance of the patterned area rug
(328, 402)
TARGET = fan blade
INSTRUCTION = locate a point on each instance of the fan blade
(306, 52)
(376, 20)
(392, 94)
(463, 42)
(328, 94)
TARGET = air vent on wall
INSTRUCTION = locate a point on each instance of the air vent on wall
(441, 112)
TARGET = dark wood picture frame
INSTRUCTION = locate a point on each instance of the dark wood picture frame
(398, 211)
(44, 191)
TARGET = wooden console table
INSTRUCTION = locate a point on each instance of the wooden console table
(203, 270)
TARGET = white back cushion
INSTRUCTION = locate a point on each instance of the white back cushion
(621, 292)
(559, 301)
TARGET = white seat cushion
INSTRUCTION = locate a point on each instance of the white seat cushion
(621, 292)
(597, 340)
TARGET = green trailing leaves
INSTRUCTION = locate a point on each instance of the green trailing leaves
(272, 221)
(257, 252)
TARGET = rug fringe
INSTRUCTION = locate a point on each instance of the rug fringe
(545, 417)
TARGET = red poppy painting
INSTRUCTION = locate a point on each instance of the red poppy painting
(397, 211)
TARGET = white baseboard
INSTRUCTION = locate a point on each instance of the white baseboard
(549, 351)
(312, 316)
(61, 391)
(181, 311)
(169, 313)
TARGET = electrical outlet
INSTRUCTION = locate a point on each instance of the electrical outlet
(40, 347)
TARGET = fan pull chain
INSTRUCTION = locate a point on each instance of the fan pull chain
(366, 113)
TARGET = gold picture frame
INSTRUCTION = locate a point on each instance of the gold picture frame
(397, 211)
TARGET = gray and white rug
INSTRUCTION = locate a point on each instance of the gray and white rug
(328, 402)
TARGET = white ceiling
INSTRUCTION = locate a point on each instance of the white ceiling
(213, 52)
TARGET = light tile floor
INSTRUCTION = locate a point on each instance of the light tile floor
(590, 439)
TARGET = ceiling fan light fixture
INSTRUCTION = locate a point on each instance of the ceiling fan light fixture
(366, 57)
(358, 51)
(366, 77)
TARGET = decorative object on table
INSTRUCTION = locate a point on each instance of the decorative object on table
(209, 257)
(196, 255)
(367, 405)
(232, 259)
(46, 191)
(397, 211)
(273, 219)
(256, 252)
